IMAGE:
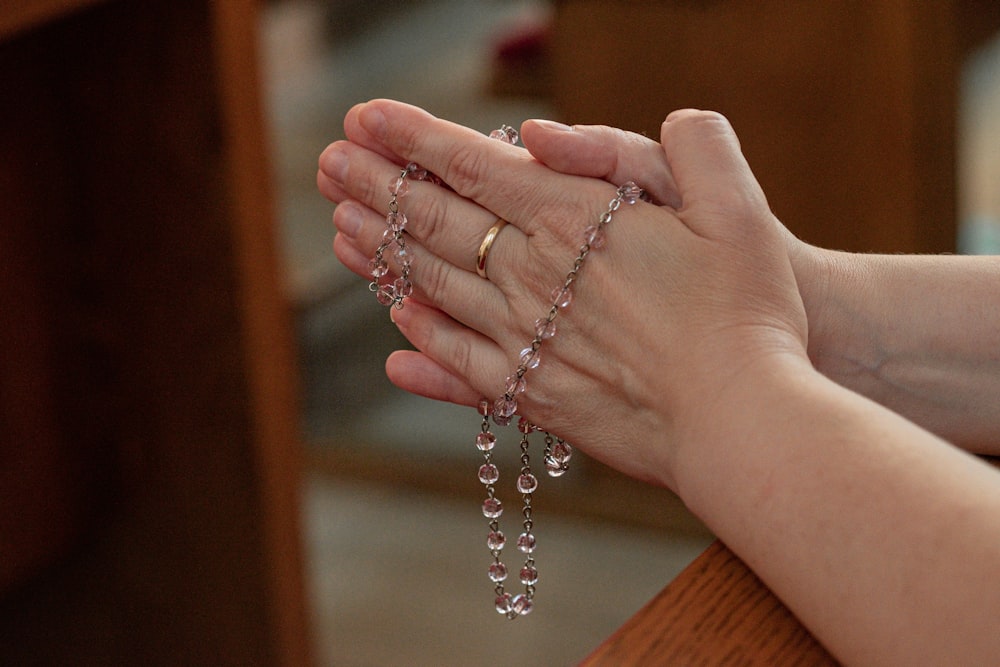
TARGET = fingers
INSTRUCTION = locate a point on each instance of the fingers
(468, 298)
(501, 178)
(602, 152)
(450, 351)
(712, 176)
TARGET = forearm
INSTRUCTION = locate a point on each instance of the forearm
(918, 334)
(883, 539)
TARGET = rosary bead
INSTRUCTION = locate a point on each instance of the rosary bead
(529, 575)
(488, 473)
(496, 540)
(485, 441)
(526, 543)
(522, 604)
(527, 483)
(492, 508)
(498, 572)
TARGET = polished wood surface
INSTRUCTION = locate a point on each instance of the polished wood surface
(150, 484)
(716, 612)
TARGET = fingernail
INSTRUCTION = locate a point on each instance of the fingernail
(372, 120)
(334, 165)
(553, 125)
(347, 218)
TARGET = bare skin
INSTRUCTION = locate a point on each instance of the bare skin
(698, 336)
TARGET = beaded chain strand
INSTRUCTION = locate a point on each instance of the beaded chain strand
(502, 411)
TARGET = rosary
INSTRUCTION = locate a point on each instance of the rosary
(504, 409)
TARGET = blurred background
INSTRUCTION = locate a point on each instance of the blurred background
(202, 461)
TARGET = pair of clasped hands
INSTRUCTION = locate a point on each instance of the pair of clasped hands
(690, 294)
(813, 408)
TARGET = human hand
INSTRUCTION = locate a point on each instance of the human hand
(686, 298)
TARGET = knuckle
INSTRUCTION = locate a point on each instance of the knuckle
(467, 168)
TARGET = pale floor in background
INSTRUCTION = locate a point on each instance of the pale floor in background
(399, 578)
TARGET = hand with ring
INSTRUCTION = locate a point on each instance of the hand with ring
(677, 283)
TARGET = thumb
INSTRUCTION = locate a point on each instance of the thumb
(602, 152)
(713, 178)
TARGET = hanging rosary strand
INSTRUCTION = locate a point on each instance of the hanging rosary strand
(502, 411)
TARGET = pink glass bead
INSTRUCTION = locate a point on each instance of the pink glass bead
(503, 604)
(529, 575)
(525, 426)
(555, 468)
(377, 268)
(485, 441)
(399, 187)
(505, 408)
(522, 605)
(488, 473)
(527, 483)
(526, 543)
(545, 329)
(396, 221)
(562, 452)
(507, 134)
(515, 385)
(492, 508)
(403, 255)
(562, 297)
(385, 295)
(495, 541)
(594, 236)
(630, 192)
(485, 407)
(416, 172)
(497, 572)
(402, 287)
(530, 358)
(502, 421)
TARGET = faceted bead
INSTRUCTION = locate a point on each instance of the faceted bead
(545, 329)
(525, 426)
(503, 603)
(388, 236)
(630, 192)
(485, 441)
(515, 385)
(529, 575)
(562, 452)
(594, 236)
(505, 407)
(562, 297)
(555, 468)
(530, 357)
(377, 268)
(488, 473)
(506, 134)
(502, 421)
(396, 221)
(402, 287)
(416, 172)
(526, 543)
(497, 572)
(485, 407)
(527, 483)
(399, 187)
(385, 295)
(492, 508)
(496, 540)
(522, 604)
(403, 255)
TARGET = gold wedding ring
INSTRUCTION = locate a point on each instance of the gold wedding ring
(484, 247)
